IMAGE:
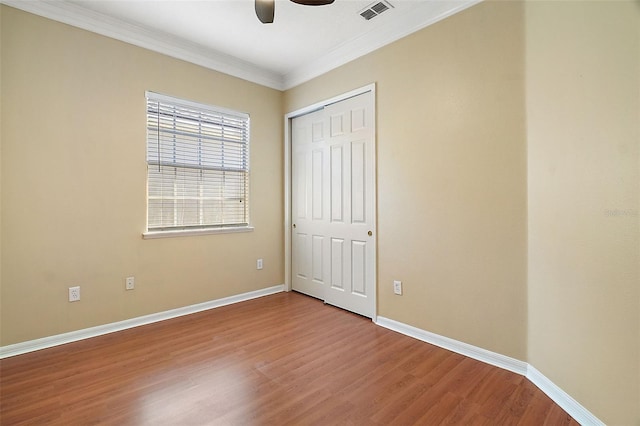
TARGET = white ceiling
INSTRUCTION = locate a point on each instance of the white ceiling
(225, 35)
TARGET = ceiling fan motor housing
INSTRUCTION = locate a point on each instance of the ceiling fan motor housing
(313, 2)
(265, 9)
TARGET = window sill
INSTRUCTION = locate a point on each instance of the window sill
(185, 233)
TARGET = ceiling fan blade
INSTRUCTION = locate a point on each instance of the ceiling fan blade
(265, 9)
(313, 2)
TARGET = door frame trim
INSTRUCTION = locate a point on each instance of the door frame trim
(288, 117)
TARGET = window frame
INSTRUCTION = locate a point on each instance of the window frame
(196, 165)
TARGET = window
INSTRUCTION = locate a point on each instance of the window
(197, 166)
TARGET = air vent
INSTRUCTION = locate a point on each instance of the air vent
(375, 9)
(379, 8)
(368, 14)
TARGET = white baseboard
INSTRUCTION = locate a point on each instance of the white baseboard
(560, 397)
(493, 358)
(563, 399)
(74, 336)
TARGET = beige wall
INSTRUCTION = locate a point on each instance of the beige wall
(1, 96)
(459, 135)
(74, 183)
(451, 161)
(583, 118)
(507, 185)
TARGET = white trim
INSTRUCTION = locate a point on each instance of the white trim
(287, 180)
(557, 395)
(78, 16)
(488, 357)
(563, 399)
(287, 202)
(160, 97)
(74, 336)
(188, 232)
(321, 104)
(414, 20)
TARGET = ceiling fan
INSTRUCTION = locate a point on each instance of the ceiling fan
(265, 9)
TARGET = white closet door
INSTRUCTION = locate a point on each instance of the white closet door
(333, 189)
(308, 212)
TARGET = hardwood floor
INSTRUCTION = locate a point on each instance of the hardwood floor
(279, 360)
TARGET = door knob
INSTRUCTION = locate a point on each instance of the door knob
(369, 233)
(294, 226)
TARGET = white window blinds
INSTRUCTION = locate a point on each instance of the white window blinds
(198, 165)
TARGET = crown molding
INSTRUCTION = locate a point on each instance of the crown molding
(156, 41)
(414, 20)
(77, 16)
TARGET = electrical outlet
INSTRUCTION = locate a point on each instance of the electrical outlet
(259, 264)
(130, 283)
(397, 287)
(74, 294)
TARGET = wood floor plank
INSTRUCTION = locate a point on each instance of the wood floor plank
(284, 359)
